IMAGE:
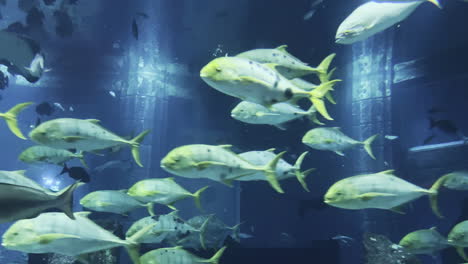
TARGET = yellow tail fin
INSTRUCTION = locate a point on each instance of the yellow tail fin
(135, 144)
(367, 145)
(11, 118)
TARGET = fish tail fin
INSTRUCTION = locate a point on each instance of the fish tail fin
(301, 175)
(216, 257)
(11, 118)
(436, 3)
(135, 238)
(316, 97)
(135, 144)
(134, 252)
(367, 145)
(202, 232)
(66, 200)
(433, 195)
(150, 208)
(323, 68)
(461, 252)
(80, 156)
(196, 197)
(236, 232)
(432, 122)
(270, 172)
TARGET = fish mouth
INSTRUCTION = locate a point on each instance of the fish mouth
(326, 201)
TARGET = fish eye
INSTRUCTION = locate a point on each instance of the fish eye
(339, 193)
(218, 69)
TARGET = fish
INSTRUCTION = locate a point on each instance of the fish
(77, 173)
(259, 83)
(428, 139)
(44, 154)
(56, 233)
(112, 201)
(381, 190)
(284, 170)
(63, 23)
(23, 201)
(390, 137)
(18, 177)
(124, 165)
(59, 106)
(163, 191)
(458, 238)
(457, 180)
(445, 125)
(217, 163)
(286, 64)
(344, 239)
(313, 8)
(21, 55)
(309, 14)
(308, 86)
(333, 139)
(371, 18)
(134, 29)
(45, 109)
(4, 80)
(277, 115)
(168, 228)
(178, 255)
(214, 232)
(71, 109)
(424, 241)
(84, 135)
(11, 118)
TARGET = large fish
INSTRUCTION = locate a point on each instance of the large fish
(424, 241)
(259, 83)
(285, 63)
(111, 201)
(332, 139)
(284, 170)
(373, 17)
(44, 154)
(458, 237)
(276, 115)
(218, 163)
(56, 233)
(84, 135)
(381, 190)
(163, 191)
(26, 201)
(177, 255)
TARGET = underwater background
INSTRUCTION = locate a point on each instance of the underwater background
(390, 82)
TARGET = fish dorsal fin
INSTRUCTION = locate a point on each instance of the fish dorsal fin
(282, 48)
(271, 65)
(83, 214)
(174, 213)
(272, 150)
(388, 172)
(169, 179)
(434, 228)
(123, 190)
(227, 146)
(94, 121)
(21, 172)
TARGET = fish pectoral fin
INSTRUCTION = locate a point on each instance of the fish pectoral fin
(251, 80)
(226, 146)
(372, 195)
(205, 164)
(340, 153)
(48, 238)
(72, 139)
(280, 126)
(271, 65)
(229, 181)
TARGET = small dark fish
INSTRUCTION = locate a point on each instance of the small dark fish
(142, 14)
(134, 29)
(20, 202)
(35, 17)
(307, 205)
(49, 2)
(45, 108)
(77, 173)
(444, 125)
(63, 24)
(3, 81)
(428, 139)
